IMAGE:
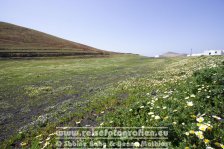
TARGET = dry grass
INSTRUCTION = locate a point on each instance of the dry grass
(16, 41)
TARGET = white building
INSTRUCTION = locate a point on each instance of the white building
(209, 52)
(214, 52)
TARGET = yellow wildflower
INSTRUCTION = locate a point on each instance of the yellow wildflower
(209, 128)
(201, 137)
(222, 146)
(191, 131)
(199, 134)
(200, 119)
(203, 127)
(206, 141)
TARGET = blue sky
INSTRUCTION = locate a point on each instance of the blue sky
(146, 27)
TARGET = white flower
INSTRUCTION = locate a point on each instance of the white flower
(78, 122)
(193, 96)
(46, 144)
(203, 127)
(201, 137)
(216, 117)
(38, 136)
(136, 144)
(174, 123)
(187, 97)
(157, 117)
(164, 107)
(141, 107)
(187, 133)
(190, 103)
(130, 110)
(199, 134)
(164, 97)
(150, 113)
(200, 119)
(23, 144)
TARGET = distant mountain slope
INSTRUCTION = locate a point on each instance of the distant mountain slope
(20, 41)
(172, 54)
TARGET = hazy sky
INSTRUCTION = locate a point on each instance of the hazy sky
(146, 27)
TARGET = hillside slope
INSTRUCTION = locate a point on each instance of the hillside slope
(172, 54)
(19, 41)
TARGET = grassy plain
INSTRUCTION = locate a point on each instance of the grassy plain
(38, 95)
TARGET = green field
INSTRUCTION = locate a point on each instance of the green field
(37, 95)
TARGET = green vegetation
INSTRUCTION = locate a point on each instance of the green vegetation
(184, 94)
(192, 108)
